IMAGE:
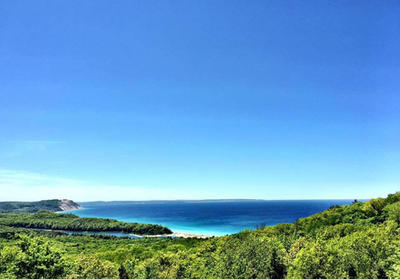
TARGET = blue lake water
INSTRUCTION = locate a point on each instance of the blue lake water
(207, 217)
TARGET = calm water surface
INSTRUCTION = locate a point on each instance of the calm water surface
(207, 217)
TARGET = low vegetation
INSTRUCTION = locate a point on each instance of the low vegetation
(361, 240)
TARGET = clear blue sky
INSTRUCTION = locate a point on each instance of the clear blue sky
(148, 99)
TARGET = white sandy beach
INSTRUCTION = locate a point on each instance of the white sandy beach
(179, 234)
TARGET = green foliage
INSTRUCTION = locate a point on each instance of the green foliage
(373, 207)
(48, 220)
(392, 212)
(362, 254)
(91, 267)
(32, 258)
(250, 256)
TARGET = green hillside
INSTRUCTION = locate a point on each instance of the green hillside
(51, 205)
(361, 240)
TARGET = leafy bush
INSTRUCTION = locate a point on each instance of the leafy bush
(32, 258)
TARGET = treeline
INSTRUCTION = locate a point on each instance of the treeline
(48, 220)
(361, 240)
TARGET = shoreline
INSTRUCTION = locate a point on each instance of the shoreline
(180, 235)
(131, 235)
(173, 234)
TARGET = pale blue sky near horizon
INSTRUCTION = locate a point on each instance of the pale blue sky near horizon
(138, 100)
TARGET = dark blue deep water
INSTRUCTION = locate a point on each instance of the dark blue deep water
(207, 217)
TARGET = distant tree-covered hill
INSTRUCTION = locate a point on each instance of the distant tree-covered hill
(50, 205)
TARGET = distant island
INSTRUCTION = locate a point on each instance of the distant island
(31, 207)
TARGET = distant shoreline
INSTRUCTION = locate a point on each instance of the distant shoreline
(218, 200)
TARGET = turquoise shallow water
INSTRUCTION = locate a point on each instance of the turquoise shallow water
(208, 217)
